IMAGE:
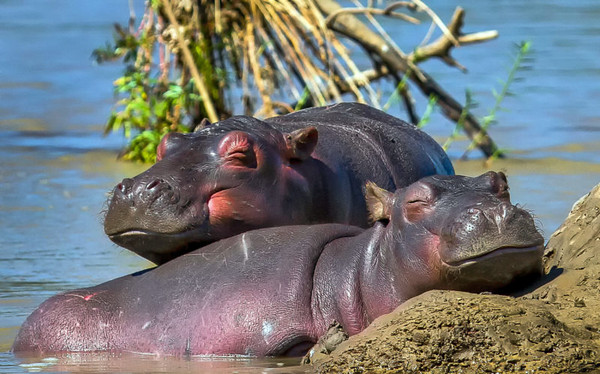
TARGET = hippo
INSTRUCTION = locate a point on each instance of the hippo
(243, 173)
(274, 291)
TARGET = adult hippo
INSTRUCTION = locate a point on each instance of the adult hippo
(274, 291)
(242, 173)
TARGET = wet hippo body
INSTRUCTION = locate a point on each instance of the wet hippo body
(243, 173)
(274, 291)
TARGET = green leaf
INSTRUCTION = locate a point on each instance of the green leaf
(116, 123)
(173, 92)
(161, 108)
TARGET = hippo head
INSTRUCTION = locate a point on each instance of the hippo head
(459, 232)
(227, 178)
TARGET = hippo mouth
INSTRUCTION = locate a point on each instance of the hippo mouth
(534, 250)
(160, 247)
(496, 269)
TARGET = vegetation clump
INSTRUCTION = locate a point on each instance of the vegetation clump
(189, 60)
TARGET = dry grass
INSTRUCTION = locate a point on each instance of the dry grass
(280, 52)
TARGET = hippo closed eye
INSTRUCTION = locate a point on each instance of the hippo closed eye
(274, 291)
(242, 173)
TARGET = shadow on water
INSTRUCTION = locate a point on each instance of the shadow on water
(57, 169)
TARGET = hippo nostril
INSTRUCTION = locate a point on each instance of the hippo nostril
(125, 185)
(155, 184)
(158, 189)
(499, 184)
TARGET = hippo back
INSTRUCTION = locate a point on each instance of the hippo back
(374, 145)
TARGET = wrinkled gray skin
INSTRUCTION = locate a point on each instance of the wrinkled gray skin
(274, 291)
(242, 173)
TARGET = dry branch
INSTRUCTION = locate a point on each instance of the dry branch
(437, 21)
(388, 11)
(349, 26)
(442, 46)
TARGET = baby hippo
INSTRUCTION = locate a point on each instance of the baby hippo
(274, 291)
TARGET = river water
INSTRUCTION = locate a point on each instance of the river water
(56, 167)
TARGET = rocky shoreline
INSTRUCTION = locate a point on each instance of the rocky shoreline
(552, 327)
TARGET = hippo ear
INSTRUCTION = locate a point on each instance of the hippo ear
(301, 143)
(379, 202)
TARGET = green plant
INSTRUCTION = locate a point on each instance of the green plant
(469, 105)
(521, 62)
(149, 105)
(431, 103)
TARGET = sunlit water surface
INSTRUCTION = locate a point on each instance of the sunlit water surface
(56, 168)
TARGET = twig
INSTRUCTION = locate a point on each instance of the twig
(284, 106)
(442, 46)
(254, 65)
(388, 11)
(437, 21)
(273, 56)
(409, 102)
(295, 52)
(189, 60)
(131, 17)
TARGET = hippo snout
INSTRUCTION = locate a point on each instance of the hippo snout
(484, 228)
(125, 186)
(151, 216)
(499, 217)
(143, 192)
(136, 204)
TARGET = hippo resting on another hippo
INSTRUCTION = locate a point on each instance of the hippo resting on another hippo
(274, 291)
(242, 173)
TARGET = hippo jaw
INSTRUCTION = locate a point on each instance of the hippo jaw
(491, 243)
(495, 269)
(155, 218)
(160, 247)
(497, 254)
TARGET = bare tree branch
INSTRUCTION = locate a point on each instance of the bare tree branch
(388, 11)
(349, 26)
(442, 46)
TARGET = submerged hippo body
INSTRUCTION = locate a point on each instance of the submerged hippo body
(274, 291)
(242, 173)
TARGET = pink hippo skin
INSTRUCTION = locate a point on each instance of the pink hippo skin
(242, 174)
(274, 291)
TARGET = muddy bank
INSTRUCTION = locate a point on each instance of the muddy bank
(552, 327)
